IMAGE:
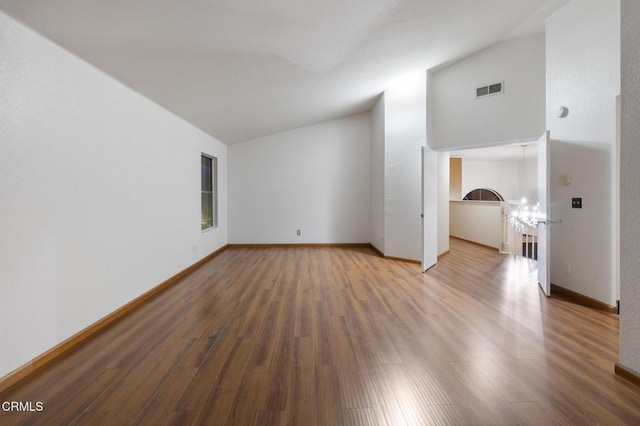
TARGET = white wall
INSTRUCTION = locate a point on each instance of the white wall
(99, 195)
(583, 70)
(477, 221)
(458, 119)
(405, 111)
(315, 178)
(583, 74)
(584, 238)
(501, 176)
(629, 188)
(443, 202)
(377, 174)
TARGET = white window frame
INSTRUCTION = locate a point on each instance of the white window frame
(206, 226)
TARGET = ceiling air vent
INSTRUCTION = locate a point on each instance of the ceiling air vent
(491, 89)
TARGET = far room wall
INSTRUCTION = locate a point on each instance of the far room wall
(501, 176)
(354, 180)
(315, 179)
(513, 179)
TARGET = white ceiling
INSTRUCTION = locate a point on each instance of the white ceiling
(509, 152)
(240, 69)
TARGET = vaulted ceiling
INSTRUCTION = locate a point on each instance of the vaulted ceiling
(240, 69)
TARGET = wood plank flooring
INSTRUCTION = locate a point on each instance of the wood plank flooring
(339, 336)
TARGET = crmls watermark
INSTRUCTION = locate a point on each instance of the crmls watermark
(22, 406)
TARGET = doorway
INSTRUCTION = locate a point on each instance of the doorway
(494, 196)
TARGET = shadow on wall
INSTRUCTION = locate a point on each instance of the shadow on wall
(581, 246)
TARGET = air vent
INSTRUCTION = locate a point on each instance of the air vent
(491, 89)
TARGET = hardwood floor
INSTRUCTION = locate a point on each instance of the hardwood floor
(339, 336)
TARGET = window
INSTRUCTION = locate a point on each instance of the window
(483, 194)
(209, 186)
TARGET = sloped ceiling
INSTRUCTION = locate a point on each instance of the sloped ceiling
(241, 69)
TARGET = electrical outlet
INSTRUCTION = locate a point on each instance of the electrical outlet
(297, 232)
(567, 268)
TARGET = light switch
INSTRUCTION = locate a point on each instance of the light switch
(576, 203)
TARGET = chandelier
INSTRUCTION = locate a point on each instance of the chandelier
(523, 215)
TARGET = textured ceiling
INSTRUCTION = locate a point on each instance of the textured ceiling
(244, 69)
